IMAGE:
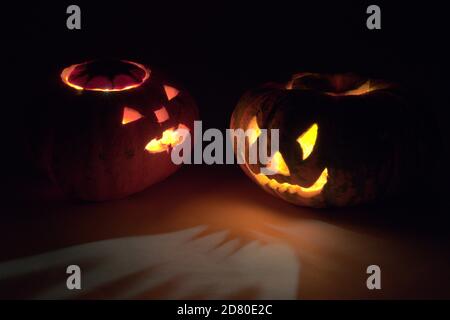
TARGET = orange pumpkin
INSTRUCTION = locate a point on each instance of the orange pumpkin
(343, 139)
(114, 123)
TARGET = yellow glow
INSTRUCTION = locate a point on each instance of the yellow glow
(308, 192)
(170, 138)
(65, 75)
(277, 164)
(307, 140)
(255, 131)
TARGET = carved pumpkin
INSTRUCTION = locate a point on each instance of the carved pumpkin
(115, 123)
(343, 139)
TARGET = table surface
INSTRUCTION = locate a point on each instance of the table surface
(208, 232)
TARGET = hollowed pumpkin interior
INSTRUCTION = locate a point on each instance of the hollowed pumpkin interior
(334, 84)
(105, 75)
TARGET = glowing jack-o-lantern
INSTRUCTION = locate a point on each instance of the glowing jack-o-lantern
(115, 123)
(342, 138)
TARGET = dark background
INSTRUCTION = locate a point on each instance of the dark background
(218, 50)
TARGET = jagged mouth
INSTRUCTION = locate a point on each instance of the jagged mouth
(283, 187)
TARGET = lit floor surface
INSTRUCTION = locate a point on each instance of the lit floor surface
(211, 233)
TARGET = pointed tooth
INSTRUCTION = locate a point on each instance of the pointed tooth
(273, 184)
(292, 189)
(262, 179)
(283, 187)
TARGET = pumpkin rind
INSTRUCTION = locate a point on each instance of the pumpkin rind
(97, 156)
(366, 140)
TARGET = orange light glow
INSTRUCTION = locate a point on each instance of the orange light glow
(367, 87)
(170, 138)
(362, 89)
(67, 72)
(277, 165)
(254, 132)
(162, 115)
(308, 192)
(130, 115)
(171, 92)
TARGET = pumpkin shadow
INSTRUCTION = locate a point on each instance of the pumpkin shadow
(184, 264)
(331, 247)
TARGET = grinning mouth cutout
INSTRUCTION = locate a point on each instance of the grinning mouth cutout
(305, 192)
(306, 141)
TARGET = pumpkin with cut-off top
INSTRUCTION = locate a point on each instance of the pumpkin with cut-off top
(343, 139)
(114, 123)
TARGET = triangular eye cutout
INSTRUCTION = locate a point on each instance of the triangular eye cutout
(130, 115)
(277, 164)
(307, 140)
(171, 92)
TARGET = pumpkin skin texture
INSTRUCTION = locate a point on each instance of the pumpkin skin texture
(115, 109)
(361, 145)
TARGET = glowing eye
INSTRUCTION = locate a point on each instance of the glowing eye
(130, 115)
(253, 131)
(278, 165)
(171, 92)
(307, 140)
